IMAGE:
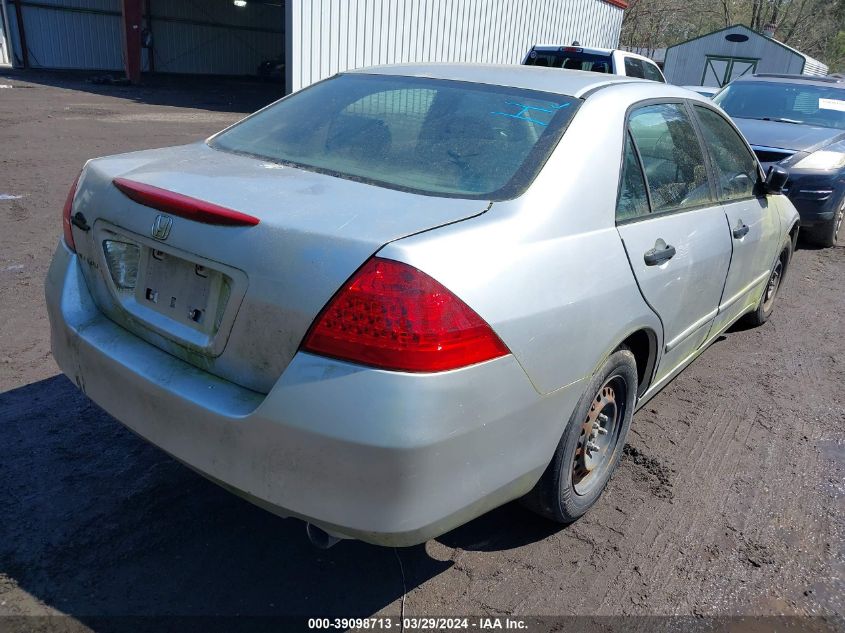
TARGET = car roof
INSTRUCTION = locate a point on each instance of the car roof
(827, 82)
(574, 83)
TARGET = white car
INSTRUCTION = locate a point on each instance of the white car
(597, 60)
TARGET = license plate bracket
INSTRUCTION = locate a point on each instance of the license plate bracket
(185, 291)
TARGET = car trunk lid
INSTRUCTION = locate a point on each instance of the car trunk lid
(235, 300)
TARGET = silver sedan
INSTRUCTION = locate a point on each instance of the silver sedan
(407, 295)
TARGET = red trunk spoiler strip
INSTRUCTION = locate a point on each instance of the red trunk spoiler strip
(182, 206)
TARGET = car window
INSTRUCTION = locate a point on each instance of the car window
(807, 104)
(429, 136)
(634, 67)
(671, 155)
(652, 72)
(402, 112)
(734, 164)
(633, 199)
(570, 58)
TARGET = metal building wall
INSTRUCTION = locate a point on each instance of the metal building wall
(685, 62)
(815, 67)
(76, 34)
(189, 36)
(328, 36)
(215, 36)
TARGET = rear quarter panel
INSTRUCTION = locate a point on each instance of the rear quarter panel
(548, 270)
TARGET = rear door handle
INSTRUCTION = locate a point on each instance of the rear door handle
(741, 231)
(662, 252)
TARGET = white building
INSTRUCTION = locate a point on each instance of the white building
(314, 38)
(718, 58)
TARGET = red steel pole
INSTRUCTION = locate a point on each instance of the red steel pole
(132, 12)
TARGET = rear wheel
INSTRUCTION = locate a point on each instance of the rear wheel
(592, 443)
(767, 301)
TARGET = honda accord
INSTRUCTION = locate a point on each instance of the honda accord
(406, 295)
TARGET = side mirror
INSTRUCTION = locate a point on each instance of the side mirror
(776, 179)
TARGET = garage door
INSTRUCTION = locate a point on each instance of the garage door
(720, 71)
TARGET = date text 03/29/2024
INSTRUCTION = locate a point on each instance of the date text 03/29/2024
(419, 624)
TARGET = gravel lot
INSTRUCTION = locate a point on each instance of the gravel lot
(729, 499)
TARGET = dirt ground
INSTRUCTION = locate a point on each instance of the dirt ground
(729, 499)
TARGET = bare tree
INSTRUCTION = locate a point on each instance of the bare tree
(810, 25)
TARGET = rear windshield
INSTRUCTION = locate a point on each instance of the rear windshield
(574, 60)
(788, 103)
(430, 136)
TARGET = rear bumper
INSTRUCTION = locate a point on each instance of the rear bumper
(385, 457)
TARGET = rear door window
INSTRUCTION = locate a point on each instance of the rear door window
(634, 67)
(652, 72)
(735, 166)
(633, 199)
(672, 157)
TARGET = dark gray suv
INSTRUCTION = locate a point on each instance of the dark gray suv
(798, 122)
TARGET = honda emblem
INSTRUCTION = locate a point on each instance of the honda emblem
(161, 227)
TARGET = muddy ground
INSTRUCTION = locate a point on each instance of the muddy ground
(729, 499)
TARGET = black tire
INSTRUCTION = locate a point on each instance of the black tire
(825, 235)
(767, 301)
(564, 493)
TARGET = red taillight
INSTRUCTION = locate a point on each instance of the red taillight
(66, 213)
(393, 316)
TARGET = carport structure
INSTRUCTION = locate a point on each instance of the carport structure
(311, 39)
